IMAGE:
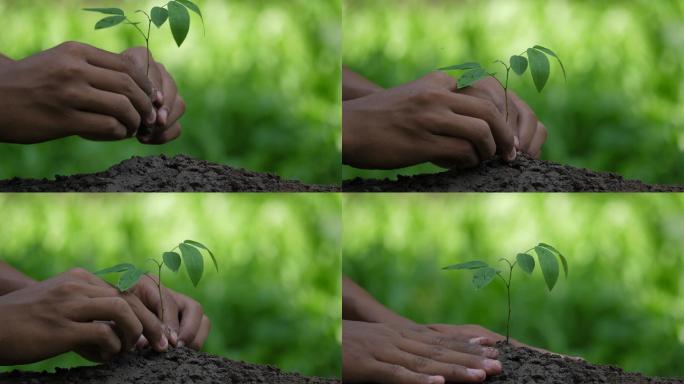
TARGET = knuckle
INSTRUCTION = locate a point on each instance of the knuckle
(79, 273)
(72, 47)
(113, 129)
(437, 351)
(490, 110)
(103, 332)
(419, 362)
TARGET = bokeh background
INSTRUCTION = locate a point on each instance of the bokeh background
(622, 108)
(621, 303)
(276, 298)
(262, 86)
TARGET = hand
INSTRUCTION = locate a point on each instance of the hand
(73, 89)
(382, 353)
(184, 322)
(530, 133)
(170, 105)
(423, 121)
(72, 311)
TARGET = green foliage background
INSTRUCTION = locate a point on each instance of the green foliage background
(621, 303)
(276, 298)
(262, 86)
(621, 109)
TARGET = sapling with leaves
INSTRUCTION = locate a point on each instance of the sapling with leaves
(483, 273)
(190, 253)
(536, 58)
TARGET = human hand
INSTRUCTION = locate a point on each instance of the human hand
(73, 89)
(383, 353)
(183, 319)
(530, 133)
(423, 121)
(73, 311)
(169, 104)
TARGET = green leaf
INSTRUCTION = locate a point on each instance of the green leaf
(539, 68)
(518, 64)
(172, 260)
(548, 265)
(470, 77)
(106, 11)
(194, 262)
(191, 6)
(179, 21)
(552, 53)
(461, 66)
(564, 262)
(475, 264)
(159, 16)
(526, 262)
(109, 22)
(117, 268)
(129, 278)
(483, 276)
(200, 245)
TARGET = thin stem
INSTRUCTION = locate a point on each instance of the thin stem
(161, 298)
(508, 70)
(508, 292)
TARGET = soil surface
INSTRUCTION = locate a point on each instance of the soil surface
(522, 175)
(526, 366)
(164, 174)
(180, 365)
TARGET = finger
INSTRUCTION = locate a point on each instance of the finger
(148, 294)
(436, 339)
(120, 63)
(202, 334)
(122, 83)
(475, 360)
(171, 317)
(487, 111)
(439, 79)
(527, 124)
(420, 364)
(99, 339)
(538, 140)
(110, 104)
(113, 309)
(190, 319)
(396, 374)
(476, 131)
(162, 137)
(168, 112)
(96, 127)
(152, 327)
(509, 111)
(449, 152)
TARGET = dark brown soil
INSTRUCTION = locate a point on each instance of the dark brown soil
(524, 174)
(526, 366)
(164, 174)
(179, 365)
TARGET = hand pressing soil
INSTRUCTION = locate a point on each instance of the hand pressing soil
(180, 365)
(522, 175)
(527, 366)
(164, 174)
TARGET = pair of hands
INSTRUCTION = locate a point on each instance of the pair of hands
(76, 89)
(430, 120)
(77, 311)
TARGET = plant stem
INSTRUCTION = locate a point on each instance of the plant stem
(161, 298)
(508, 292)
(508, 69)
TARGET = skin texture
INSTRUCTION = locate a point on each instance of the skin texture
(430, 120)
(78, 311)
(75, 89)
(381, 346)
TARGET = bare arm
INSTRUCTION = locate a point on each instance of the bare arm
(355, 86)
(359, 305)
(12, 280)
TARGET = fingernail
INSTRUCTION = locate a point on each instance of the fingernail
(476, 373)
(164, 343)
(516, 142)
(436, 380)
(492, 365)
(476, 340)
(174, 338)
(490, 352)
(513, 154)
(152, 117)
(180, 344)
(163, 115)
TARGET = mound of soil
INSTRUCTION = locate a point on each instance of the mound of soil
(527, 366)
(524, 174)
(164, 174)
(179, 365)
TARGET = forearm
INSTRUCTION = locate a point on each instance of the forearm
(359, 305)
(12, 280)
(355, 86)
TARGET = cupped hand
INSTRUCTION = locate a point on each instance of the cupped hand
(530, 133)
(383, 353)
(73, 89)
(424, 121)
(184, 321)
(74, 311)
(169, 104)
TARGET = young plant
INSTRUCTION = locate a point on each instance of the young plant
(194, 264)
(175, 11)
(484, 274)
(538, 64)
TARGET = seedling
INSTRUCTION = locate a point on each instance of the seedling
(194, 264)
(175, 11)
(538, 63)
(484, 274)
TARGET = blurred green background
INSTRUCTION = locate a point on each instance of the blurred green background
(276, 299)
(262, 86)
(621, 303)
(622, 108)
